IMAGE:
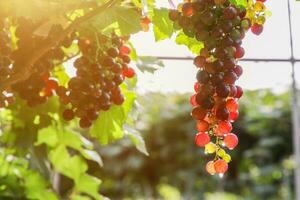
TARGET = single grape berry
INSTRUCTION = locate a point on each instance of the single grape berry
(193, 101)
(199, 61)
(68, 114)
(224, 127)
(222, 90)
(230, 12)
(222, 114)
(197, 87)
(199, 113)
(129, 72)
(207, 103)
(210, 148)
(231, 141)
(202, 77)
(187, 9)
(125, 50)
(220, 166)
(233, 116)
(239, 92)
(210, 167)
(232, 105)
(85, 123)
(257, 29)
(202, 139)
(238, 70)
(230, 77)
(240, 52)
(202, 126)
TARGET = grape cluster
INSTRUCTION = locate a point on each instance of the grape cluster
(257, 13)
(39, 86)
(100, 69)
(99, 72)
(221, 26)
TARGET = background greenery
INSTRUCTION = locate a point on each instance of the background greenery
(261, 168)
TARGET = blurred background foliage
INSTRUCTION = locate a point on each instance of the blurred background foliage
(262, 166)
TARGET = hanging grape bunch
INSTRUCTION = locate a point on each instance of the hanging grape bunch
(39, 86)
(257, 13)
(99, 71)
(221, 26)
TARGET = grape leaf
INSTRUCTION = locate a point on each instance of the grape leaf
(92, 155)
(80, 197)
(194, 45)
(47, 136)
(162, 25)
(45, 28)
(36, 187)
(240, 3)
(109, 125)
(149, 64)
(71, 167)
(136, 139)
(89, 185)
(127, 20)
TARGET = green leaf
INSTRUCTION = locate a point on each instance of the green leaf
(61, 75)
(92, 155)
(240, 3)
(109, 125)
(71, 139)
(137, 140)
(149, 64)
(162, 25)
(133, 54)
(36, 188)
(71, 167)
(89, 185)
(127, 20)
(45, 28)
(47, 136)
(194, 45)
(80, 197)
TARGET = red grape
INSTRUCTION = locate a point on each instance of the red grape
(257, 29)
(220, 166)
(210, 167)
(231, 141)
(202, 126)
(202, 139)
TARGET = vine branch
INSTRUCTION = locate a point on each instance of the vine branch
(27, 68)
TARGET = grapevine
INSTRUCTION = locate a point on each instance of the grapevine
(65, 88)
(102, 65)
(99, 72)
(221, 27)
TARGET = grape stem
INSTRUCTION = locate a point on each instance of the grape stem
(27, 69)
